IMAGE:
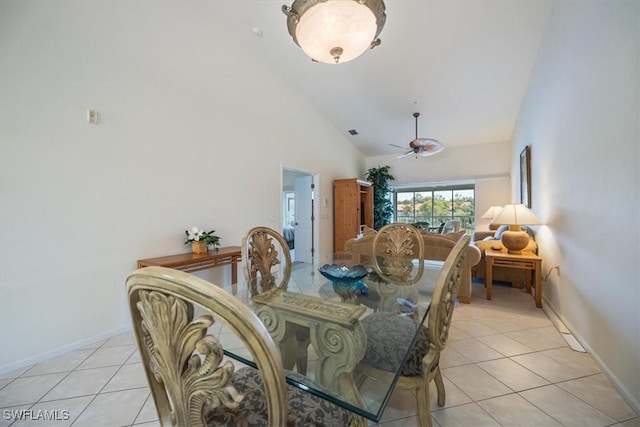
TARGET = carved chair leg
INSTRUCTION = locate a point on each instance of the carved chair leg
(440, 387)
(424, 408)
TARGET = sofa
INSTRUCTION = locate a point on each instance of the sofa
(484, 240)
(437, 247)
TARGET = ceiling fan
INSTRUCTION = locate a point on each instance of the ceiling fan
(420, 146)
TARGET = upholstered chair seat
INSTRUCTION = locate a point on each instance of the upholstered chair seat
(305, 408)
(386, 351)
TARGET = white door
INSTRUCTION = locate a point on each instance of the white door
(303, 212)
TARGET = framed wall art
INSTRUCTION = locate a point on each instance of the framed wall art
(525, 176)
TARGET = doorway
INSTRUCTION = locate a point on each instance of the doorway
(299, 190)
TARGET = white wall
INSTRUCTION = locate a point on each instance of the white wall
(489, 165)
(183, 140)
(581, 117)
(491, 192)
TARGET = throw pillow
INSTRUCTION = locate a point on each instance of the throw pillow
(498, 234)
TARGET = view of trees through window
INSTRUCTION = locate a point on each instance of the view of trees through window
(436, 206)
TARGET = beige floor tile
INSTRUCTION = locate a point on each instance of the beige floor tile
(113, 409)
(581, 362)
(129, 376)
(10, 415)
(450, 357)
(464, 415)
(108, 356)
(474, 382)
(456, 333)
(474, 350)
(453, 395)
(148, 413)
(539, 339)
(514, 411)
(546, 367)
(474, 328)
(505, 345)
(635, 422)
(63, 412)
(401, 405)
(28, 389)
(600, 394)
(81, 383)
(149, 424)
(94, 345)
(512, 374)
(565, 408)
(402, 422)
(5, 382)
(65, 363)
(15, 373)
(127, 338)
(135, 357)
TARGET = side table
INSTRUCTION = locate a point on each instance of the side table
(528, 261)
(190, 262)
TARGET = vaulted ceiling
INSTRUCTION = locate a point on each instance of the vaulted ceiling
(464, 65)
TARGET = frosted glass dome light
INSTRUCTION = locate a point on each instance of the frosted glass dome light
(335, 31)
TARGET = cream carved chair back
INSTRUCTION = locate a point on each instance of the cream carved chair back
(182, 362)
(398, 253)
(385, 352)
(266, 265)
(266, 260)
(438, 323)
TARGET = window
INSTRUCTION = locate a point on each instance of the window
(435, 205)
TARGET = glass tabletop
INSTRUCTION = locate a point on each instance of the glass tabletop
(329, 321)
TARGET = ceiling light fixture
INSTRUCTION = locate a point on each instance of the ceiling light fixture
(335, 31)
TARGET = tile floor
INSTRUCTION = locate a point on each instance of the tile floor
(505, 365)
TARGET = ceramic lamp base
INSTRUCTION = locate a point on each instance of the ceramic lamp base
(515, 241)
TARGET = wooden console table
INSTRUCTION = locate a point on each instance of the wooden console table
(191, 262)
(528, 261)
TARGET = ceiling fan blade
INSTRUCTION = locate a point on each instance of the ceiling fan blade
(426, 141)
(397, 146)
(407, 154)
(430, 150)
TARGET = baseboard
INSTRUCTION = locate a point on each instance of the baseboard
(60, 350)
(632, 400)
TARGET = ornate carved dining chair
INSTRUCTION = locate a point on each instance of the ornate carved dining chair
(266, 265)
(266, 260)
(190, 383)
(385, 352)
(398, 253)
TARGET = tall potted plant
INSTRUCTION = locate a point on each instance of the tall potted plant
(382, 206)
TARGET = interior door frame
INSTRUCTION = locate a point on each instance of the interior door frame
(316, 208)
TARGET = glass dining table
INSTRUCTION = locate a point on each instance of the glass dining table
(319, 322)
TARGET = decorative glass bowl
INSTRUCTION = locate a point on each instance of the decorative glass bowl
(347, 281)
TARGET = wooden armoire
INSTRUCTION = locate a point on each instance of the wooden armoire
(352, 208)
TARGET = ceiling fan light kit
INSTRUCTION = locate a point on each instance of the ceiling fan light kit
(420, 146)
(335, 31)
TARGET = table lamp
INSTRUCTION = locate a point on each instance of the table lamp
(491, 214)
(516, 215)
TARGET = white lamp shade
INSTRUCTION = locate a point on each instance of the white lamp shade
(492, 212)
(516, 215)
(348, 25)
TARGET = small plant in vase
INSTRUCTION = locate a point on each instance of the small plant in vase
(201, 240)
